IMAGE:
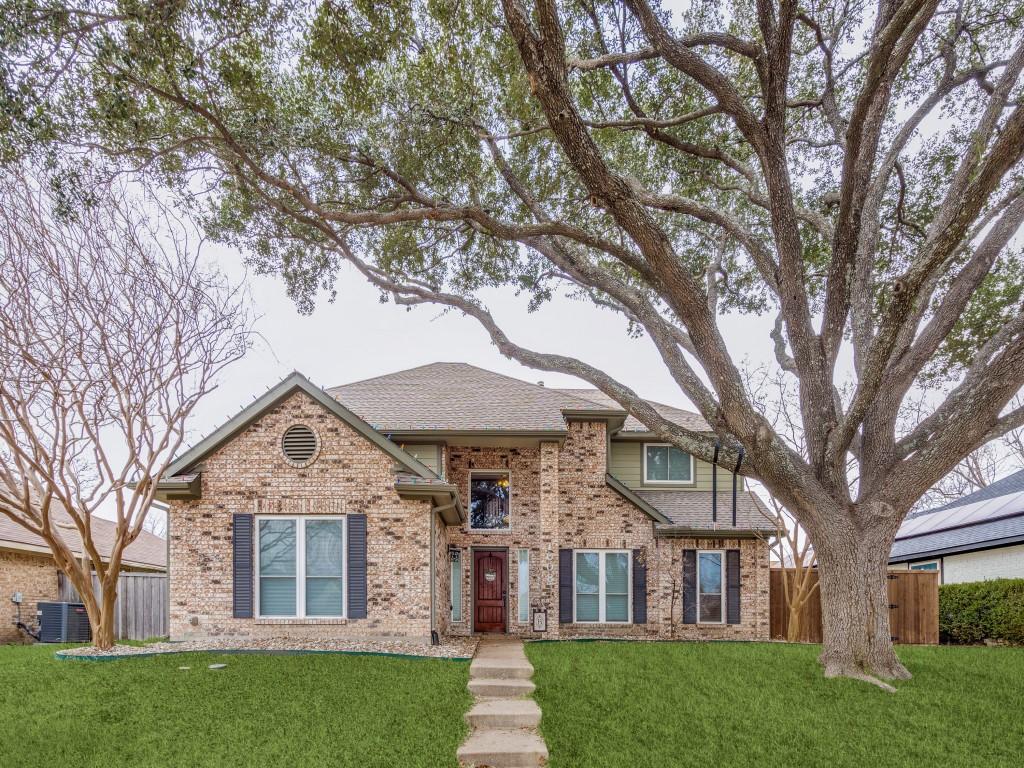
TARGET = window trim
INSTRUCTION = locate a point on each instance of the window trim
(522, 586)
(725, 589)
(469, 501)
(602, 606)
(917, 566)
(693, 466)
(452, 565)
(300, 560)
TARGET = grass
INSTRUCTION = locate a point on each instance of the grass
(262, 710)
(738, 704)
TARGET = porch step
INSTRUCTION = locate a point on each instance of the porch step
(497, 688)
(501, 668)
(504, 748)
(504, 713)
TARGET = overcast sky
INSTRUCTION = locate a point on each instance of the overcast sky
(357, 337)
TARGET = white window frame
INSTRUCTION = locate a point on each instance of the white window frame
(469, 497)
(693, 467)
(455, 571)
(523, 586)
(917, 566)
(300, 566)
(601, 594)
(724, 593)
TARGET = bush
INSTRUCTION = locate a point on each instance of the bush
(971, 613)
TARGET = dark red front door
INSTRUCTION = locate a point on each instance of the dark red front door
(490, 569)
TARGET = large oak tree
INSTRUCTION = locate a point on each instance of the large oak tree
(850, 169)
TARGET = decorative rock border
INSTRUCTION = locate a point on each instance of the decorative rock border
(461, 649)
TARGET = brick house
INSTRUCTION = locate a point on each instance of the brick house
(27, 567)
(449, 500)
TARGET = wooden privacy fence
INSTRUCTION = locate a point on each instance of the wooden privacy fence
(913, 608)
(141, 608)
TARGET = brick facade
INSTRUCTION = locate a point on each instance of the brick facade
(35, 576)
(250, 474)
(559, 498)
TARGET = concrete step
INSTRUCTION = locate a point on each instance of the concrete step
(499, 668)
(504, 713)
(500, 689)
(503, 748)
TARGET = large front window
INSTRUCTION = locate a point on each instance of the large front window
(488, 501)
(667, 464)
(710, 595)
(602, 586)
(301, 567)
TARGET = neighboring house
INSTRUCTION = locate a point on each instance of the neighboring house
(977, 537)
(27, 567)
(449, 499)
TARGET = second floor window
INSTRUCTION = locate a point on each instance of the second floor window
(665, 463)
(489, 494)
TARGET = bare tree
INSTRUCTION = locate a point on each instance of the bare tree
(110, 333)
(979, 469)
(792, 549)
(852, 167)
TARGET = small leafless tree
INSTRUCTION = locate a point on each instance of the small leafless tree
(792, 548)
(110, 333)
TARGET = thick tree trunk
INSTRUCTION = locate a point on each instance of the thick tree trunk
(855, 603)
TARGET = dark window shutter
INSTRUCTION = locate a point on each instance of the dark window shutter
(732, 586)
(241, 565)
(565, 594)
(357, 566)
(689, 586)
(639, 587)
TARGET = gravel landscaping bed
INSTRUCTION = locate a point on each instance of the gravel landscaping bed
(452, 648)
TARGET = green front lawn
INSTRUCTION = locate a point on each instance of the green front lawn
(267, 711)
(737, 704)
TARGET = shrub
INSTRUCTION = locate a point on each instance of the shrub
(971, 613)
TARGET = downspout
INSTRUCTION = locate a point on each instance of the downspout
(739, 462)
(434, 639)
(714, 484)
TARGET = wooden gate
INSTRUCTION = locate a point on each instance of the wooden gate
(913, 608)
(141, 608)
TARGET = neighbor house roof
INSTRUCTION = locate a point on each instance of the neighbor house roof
(981, 520)
(1007, 485)
(458, 397)
(147, 551)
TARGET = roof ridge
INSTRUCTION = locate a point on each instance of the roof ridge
(523, 382)
(650, 402)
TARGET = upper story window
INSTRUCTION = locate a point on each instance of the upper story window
(664, 463)
(489, 494)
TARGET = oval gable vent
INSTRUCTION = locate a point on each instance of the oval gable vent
(299, 444)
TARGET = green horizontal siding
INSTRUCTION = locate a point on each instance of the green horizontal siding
(626, 463)
(427, 455)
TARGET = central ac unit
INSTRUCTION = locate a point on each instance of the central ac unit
(63, 623)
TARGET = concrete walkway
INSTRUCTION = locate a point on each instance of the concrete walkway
(504, 718)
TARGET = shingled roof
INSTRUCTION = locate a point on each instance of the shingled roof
(692, 510)
(456, 397)
(460, 397)
(148, 551)
(685, 419)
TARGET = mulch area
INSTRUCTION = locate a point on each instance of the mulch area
(450, 648)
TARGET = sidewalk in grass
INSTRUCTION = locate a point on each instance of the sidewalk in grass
(504, 718)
